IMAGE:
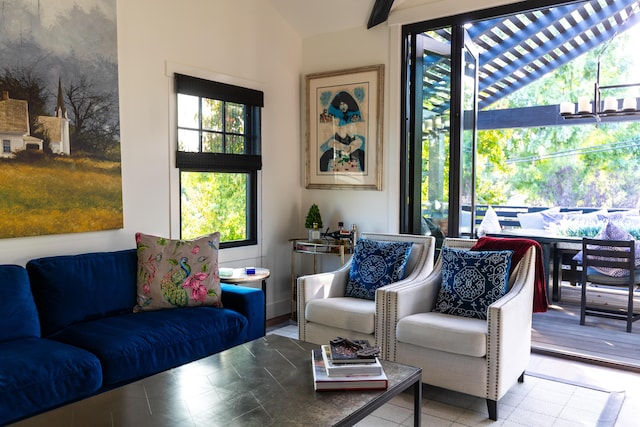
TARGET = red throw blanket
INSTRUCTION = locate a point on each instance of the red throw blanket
(519, 248)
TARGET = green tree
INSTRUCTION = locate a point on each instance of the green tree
(580, 165)
(214, 202)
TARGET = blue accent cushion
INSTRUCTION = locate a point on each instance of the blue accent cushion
(376, 263)
(472, 281)
(136, 345)
(37, 374)
(18, 315)
(75, 288)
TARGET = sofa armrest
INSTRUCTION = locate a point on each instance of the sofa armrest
(250, 303)
(509, 330)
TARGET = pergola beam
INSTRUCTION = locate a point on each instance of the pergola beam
(539, 116)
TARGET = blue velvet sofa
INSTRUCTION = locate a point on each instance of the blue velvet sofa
(68, 330)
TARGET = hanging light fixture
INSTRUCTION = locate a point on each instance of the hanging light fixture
(599, 107)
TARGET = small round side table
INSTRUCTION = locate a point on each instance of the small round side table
(240, 276)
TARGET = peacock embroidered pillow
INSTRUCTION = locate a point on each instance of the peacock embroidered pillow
(376, 263)
(472, 281)
(177, 273)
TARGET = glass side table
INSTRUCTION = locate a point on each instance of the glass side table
(303, 246)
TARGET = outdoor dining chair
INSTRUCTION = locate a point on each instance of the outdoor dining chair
(609, 263)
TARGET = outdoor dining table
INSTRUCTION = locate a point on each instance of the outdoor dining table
(550, 244)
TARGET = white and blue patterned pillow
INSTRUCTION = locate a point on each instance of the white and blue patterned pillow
(472, 281)
(376, 263)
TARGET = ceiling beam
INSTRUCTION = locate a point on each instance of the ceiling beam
(379, 13)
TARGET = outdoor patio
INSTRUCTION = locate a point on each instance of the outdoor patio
(599, 340)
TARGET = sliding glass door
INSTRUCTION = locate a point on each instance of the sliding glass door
(439, 138)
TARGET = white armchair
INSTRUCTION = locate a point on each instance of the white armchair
(324, 312)
(482, 358)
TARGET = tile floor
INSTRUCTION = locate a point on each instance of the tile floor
(572, 381)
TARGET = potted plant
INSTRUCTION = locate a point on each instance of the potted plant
(313, 222)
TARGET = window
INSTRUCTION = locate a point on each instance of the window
(6, 146)
(218, 154)
(526, 154)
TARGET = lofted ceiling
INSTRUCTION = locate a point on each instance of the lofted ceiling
(313, 18)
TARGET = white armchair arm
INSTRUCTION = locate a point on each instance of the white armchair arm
(324, 285)
(508, 347)
(399, 302)
(420, 296)
(322, 296)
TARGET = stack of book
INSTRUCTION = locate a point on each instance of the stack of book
(339, 368)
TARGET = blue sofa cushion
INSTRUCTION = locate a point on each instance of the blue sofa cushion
(75, 288)
(18, 314)
(136, 345)
(37, 374)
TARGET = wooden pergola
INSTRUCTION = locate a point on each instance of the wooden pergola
(519, 49)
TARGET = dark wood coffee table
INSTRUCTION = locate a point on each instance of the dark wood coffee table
(267, 381)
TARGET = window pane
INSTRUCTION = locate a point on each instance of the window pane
(188, 111)
(436, 95)
(235, 118)
(214, 202)
(188, 140)
(235, 144)
(212, 142)
(212, 114)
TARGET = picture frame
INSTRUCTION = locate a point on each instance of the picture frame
(344, 129)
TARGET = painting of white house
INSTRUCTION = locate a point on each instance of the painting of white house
(59, 118)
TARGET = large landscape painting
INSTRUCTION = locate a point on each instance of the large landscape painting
(59, 118)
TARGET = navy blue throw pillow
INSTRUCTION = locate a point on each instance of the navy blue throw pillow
(376, 263)
(472, 281)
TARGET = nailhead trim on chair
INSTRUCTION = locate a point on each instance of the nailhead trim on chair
(302, 324)
(494, 329)
(381, 332)
(491, 325)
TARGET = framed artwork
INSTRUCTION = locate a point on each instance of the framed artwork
(59, 118)
(344, 129)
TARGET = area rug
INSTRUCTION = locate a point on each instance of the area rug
(539, 401)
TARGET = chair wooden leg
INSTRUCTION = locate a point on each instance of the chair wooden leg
(630, 307)
(492, 407)
(583, 300)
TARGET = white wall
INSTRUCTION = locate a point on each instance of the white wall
(375, 211)
(370, 210)
(241, 41)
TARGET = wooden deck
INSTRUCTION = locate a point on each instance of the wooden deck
(601, 341)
